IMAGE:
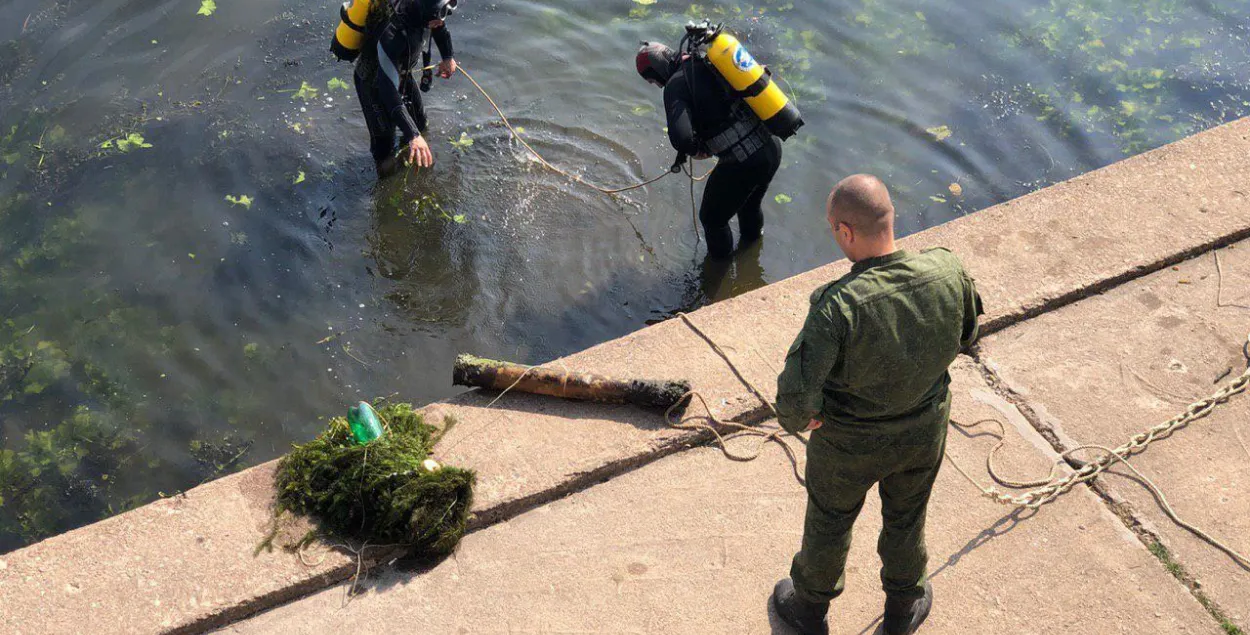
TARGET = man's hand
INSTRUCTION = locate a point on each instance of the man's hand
(419, 152)
(813, 424)
(701, 156)
(447, 68)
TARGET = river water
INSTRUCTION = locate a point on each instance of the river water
(197, 267)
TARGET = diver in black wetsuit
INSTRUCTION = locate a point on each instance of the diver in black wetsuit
(704, 119)
(384, 80)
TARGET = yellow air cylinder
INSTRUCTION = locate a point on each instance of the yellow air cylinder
(748, 79)
(350, 33)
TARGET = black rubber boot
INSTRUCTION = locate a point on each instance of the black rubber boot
(388, 166)
(903, 617)
(806, 618)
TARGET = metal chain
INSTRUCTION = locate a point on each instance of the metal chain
(1137, 444)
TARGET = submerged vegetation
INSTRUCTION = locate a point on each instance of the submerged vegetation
(86, 395)
(1142, 67)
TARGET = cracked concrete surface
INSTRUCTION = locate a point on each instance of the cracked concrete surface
(1111, 366)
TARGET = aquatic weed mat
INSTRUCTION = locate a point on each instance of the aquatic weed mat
(382, 492)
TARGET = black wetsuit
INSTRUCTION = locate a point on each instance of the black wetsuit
(384, 77)
(699, 108)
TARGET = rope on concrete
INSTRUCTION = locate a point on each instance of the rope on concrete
(1135, 445)
(1053, 487)
(1047, 489)
(989, 458)
(1219, 285)
(741, 429)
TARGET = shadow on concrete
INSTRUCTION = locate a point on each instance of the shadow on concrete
(398, 572)
(379, 570)
(1000, 527)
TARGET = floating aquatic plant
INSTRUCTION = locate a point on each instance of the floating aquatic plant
(127, 143)
(242, 200)
(940, 133)
(306, 92)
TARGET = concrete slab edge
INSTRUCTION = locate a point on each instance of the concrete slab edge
(1140, 528)
(1106, 284)
(483, 519)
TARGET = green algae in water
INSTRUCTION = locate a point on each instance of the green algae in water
(379, 492)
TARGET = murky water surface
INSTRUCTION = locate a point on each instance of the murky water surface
(196, 266)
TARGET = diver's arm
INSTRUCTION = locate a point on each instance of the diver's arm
(680, 126)
(442, 39)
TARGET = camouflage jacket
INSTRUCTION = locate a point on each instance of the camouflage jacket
(877, 343)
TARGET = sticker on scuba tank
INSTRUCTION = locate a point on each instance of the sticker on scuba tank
(743, 59)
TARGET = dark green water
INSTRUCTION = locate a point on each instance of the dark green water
(154, 334)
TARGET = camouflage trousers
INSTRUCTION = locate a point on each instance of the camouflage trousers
(843, 463)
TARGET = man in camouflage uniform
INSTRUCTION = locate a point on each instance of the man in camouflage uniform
(868, 375)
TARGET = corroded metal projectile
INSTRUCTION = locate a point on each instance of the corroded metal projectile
(496, 375)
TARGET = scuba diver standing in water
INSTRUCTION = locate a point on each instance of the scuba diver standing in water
(386, 36)
(720, 102)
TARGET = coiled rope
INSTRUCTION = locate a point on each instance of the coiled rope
(714, 425)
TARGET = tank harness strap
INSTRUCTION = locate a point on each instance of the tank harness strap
(359, 28)
(756, 86)
(742, 138)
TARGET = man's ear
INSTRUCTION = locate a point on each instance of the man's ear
(846, 231)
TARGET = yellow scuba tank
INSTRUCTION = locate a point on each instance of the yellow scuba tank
(350, 33)
(747, 78)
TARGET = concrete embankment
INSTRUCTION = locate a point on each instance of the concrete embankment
(693, 544)
(187, 564)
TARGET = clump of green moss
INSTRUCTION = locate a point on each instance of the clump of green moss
(379, 492)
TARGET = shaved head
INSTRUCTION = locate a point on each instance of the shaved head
(863, 202)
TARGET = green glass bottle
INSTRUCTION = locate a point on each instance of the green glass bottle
(364, 423)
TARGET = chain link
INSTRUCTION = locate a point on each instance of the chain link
(1136, 444)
